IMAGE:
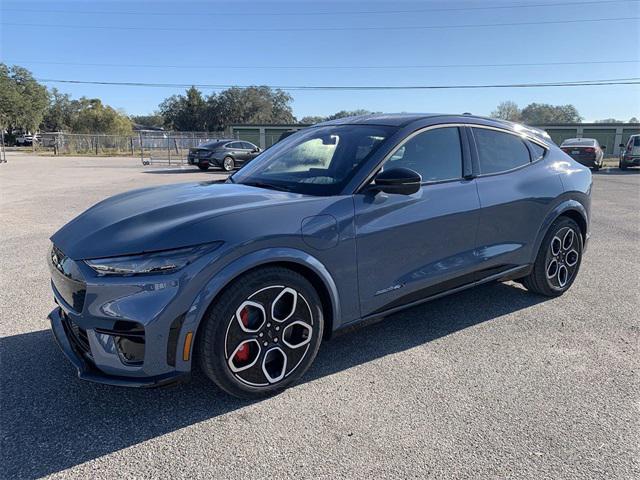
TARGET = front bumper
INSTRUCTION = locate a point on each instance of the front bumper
(88, 371)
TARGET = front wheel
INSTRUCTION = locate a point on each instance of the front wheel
(622, 166)
(228, 164)
(203, 166)
(262, 333)
(558, 260)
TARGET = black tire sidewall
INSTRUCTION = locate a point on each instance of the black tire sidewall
(545, 286)
(213, 333)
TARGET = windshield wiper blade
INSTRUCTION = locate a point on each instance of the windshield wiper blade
(266, 185)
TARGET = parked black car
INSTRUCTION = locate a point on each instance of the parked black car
(586, 151)
(227, 154)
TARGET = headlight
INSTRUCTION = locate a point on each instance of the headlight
(157, 262)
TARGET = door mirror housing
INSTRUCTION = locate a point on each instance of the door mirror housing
(256, 149)
(622, 145)
(403, 181)
(603, 147)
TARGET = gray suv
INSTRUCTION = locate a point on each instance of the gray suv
(344, 222)
(227, 154)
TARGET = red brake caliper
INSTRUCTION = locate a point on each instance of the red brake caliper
(242, 355)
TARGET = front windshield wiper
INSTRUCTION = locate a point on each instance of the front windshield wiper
(269, 186)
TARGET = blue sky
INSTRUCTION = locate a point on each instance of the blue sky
(146, 53)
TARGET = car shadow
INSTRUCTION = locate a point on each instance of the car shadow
(52, 421)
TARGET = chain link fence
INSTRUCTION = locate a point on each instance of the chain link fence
(152, 147)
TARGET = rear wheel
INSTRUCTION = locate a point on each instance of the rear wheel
(262, 334)
(622, 166)
(228, 164)
(203, 166)
(558, 260)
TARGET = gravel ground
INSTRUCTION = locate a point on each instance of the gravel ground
(490, 383)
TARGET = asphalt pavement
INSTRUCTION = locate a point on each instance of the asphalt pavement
(489, 383)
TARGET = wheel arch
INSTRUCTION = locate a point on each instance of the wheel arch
(301, 262)
(569, 208)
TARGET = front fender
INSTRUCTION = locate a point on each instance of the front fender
(562, 207)
(221, 279)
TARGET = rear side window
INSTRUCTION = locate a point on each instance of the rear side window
(538, 151)
(499, 152)
(247, 146)
(435, 154)
(636, 141)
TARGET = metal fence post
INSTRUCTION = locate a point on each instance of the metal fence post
(169, 148)
(141, 149)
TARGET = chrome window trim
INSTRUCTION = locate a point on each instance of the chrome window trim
(398, 146)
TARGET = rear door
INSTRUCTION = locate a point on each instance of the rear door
(413, 246)
(236, 150)
(516, 189)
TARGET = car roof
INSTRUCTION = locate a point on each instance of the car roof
(385, 119)
(578, 140)
(404, 119)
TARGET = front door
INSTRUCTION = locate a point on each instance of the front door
(413, 246)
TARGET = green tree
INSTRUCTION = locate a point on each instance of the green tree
(633, 120)
(92, 116)
(259, 104)
(312, 119)
(23, 100)
(542, 113)
(348, 113)
(609, 120)
(507, 111)
(155, 119)
(60, 112)
(186, 112)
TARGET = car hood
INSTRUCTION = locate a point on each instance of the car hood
(160, 218)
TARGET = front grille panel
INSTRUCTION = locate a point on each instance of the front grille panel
(77, 335)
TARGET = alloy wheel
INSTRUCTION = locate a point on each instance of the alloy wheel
(562, 258)
(269, 336)
(228, 164)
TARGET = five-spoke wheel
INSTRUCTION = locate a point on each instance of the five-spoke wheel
(558, 259)
(269, 335)
(262, 333)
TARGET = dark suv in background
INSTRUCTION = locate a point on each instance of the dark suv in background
(630, 153)
(227, 154)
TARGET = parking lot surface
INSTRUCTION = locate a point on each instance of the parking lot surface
(490, 383)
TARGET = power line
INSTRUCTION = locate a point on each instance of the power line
(327, 67)
(360, 12)
(576, 83)
(323, 29)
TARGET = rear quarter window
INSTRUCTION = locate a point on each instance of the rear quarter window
(499, 151)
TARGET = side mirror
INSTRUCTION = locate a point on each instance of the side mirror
(256, 150)
(622, 145)
(603, 147)
(398, 180)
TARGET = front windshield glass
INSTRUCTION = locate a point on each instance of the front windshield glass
(314, 161)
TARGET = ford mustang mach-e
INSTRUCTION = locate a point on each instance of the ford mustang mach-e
(345, 221)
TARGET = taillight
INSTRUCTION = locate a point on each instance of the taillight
(589, 150)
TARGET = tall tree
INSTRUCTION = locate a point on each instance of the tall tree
(185, 112)
(542, 113)
(23, 100)
(154, 119)
(92, 116)
(507, 111)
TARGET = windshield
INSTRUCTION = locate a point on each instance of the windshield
(315, 161)
(587, 142)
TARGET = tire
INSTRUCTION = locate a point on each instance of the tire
(248, 352)
(228, 164)
(544, 278)
(622, 166)
(596, 167)
(203, 166)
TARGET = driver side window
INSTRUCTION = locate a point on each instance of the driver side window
(435, 154)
